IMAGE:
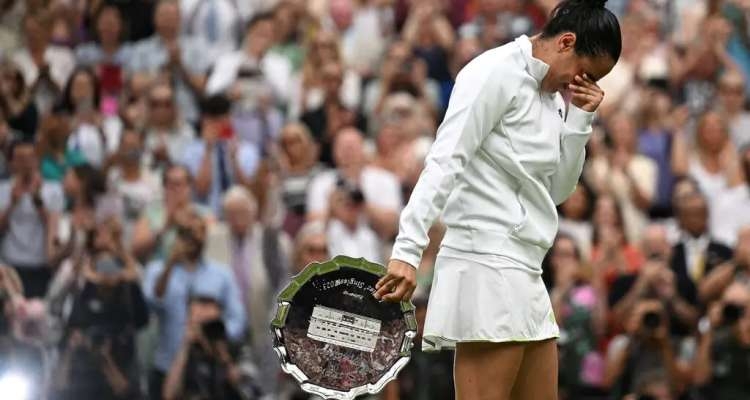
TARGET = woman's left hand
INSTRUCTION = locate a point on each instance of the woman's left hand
(587, 95)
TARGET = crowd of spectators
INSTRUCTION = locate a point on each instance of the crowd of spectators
(167, 165)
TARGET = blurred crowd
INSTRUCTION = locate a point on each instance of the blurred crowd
(167, 165)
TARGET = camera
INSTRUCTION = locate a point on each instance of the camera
(731, 313)
(97, 336)
(214, 331)
(651, 320)
(353, 192)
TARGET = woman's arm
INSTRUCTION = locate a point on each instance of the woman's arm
(576, 132)
(478, 102)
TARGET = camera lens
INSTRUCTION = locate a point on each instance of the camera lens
(732, 313)
(651, 320)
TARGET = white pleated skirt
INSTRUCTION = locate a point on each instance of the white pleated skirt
(485, 298)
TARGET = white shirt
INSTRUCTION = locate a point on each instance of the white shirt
(644, 173)
(61, 63)
(730, 212)
(378, 186)
(276, 69)
(362, 242)
(695, 249)
(711, 184)
(502, 159)
(90, 142)
(196, 20)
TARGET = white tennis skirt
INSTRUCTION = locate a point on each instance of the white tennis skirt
(485, 298)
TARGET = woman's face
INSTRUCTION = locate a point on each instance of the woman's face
(712, 137)
(622, 131)
(565, 64)
(564, 252)
(605, 212)
(109, 25)
(9, 76)
(577, 205)
(293, 143)
(324, 47)
(82, 88)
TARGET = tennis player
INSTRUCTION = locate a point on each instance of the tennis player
(508, 151)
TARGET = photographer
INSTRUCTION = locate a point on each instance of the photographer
(652, 387)
(98, 360)
(347, 230)
(204, 368)
(645, 348)
(721, 365)
(168, 285)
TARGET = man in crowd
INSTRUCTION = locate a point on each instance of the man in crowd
(219, 159)
(29, 210)
(260, 259)
(168, 285)
(184, 58)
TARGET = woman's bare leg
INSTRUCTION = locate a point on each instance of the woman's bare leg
(486, 371)
(537, 377)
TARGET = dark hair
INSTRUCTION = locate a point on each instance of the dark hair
(108, 6)
(258, 18)
(596, 28)
(215, 106)
(93, 182)
(588, 192)
(548, 272)
(67, 100)
(168, 169)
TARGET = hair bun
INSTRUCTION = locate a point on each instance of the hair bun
(589, 3)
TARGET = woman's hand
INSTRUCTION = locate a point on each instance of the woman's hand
(586, 94)
(399, 282)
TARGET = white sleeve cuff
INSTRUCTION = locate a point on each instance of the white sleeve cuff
(402, 253)
(578, 120)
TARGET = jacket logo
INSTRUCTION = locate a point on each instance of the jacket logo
(559, 112)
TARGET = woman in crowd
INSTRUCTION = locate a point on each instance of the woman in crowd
(575, 217)
(16, 100)
(713, 160)
(167, 134)
(321, 50)
(81, 99)
(612, 254)
(299, 165)
(630, 177)
(579, 299)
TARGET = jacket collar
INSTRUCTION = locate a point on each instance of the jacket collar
(535, 67)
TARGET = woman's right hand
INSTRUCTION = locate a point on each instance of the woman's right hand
(398, 284)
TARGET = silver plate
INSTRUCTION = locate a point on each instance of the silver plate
(334, 337)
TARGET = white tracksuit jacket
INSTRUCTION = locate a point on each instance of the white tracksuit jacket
(502, 159)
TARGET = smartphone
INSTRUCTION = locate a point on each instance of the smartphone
(226, 131)
(110, 77)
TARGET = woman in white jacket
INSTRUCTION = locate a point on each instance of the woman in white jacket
(508, 150)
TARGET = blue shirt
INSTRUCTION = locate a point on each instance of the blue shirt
(658, 147)
(172, 308)
(248, 158)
